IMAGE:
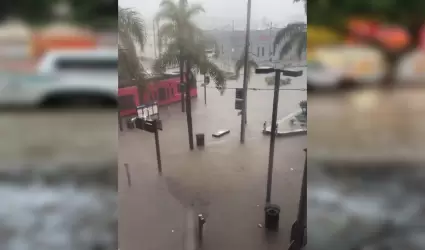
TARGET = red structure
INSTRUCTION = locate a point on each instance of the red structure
(163, 89)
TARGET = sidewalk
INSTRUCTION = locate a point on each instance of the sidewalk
(285, 128)
(149, 216)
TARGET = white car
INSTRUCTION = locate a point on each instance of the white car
(321, 77)
(65, 78)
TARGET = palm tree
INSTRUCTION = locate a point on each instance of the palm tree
(131, 34)
(185, 44)
(293, 35)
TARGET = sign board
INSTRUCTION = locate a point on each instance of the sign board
(147, 111)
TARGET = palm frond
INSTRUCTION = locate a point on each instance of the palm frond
(302, 44)
(131, 22)
(297, 40)
(166, 34)
(193, 10)
(170, 58)
(131, 33)
(288, 31)
(214, 71)
(168, 11)
(239, 64)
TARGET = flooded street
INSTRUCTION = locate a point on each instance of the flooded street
(225, 181)
(47, 137)
(368, 125)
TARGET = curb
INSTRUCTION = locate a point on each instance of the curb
(288, 133)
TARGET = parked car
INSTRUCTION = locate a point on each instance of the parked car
(344, 66)
(64, 79)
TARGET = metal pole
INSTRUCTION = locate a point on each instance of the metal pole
(181, 64)
(158, 152)
(189, 105)
(201, 222)
(120, 121)
(273, 135)
(205, 94)
(245, 76)
(154, 38)
(127, 170)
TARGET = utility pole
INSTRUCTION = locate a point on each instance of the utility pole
(158, 152)
(189, 80)
(271, 40)
(245, 76)
(154, 38)
(182, 85)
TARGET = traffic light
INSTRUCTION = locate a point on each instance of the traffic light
(239, 104)
(206, 79)
(182, 87)
(239, 94)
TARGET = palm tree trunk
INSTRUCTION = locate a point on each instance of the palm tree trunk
(181, 65)
(189, 104)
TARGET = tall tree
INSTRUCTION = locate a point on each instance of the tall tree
(185, 44)
(131, 34)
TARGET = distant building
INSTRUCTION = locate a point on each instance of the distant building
(231, 45)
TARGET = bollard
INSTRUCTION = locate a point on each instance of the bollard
(127, 170)
(272, 217)
(200, 140)
(201, 223)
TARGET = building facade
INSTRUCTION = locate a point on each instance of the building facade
(231, 45)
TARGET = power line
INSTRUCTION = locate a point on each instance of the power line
(261, 89)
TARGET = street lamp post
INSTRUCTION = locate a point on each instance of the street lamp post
(272, 211)
(245, 76)
(267, 70)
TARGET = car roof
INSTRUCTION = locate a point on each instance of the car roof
(83, 53)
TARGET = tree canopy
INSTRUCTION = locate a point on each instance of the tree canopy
(335, 13)
(183, 40)
(97, 13)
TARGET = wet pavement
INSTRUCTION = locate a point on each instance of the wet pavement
(368, 125)
(225, 181)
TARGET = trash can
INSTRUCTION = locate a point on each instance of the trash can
(130, 123)
(272, 217)
(200, 140)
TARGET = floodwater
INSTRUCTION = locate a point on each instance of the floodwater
(368, 124)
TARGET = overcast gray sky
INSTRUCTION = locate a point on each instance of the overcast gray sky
(220, 13)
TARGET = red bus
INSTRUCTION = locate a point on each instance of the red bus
(163, 89)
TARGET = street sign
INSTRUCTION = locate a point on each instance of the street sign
(239, 94)
(150, 126)
(291, 73)
(239, 104)
(148, 111)
(206, 80)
